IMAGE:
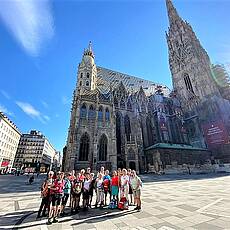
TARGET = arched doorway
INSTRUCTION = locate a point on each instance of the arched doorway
(132, 165)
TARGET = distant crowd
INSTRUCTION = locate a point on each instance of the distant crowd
(122, 188)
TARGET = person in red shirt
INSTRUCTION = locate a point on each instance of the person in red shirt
(115, 185)
(56, 191)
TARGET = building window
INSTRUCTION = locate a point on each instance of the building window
(92, 113)
(103, 148)
(83, 111)
(129, 105)
(100, 114)
(107, 115)
(188, 83)
(84, 148)
(80, 83)
(87, 75)
(127, 127)
(122, 104)
(81, 75)
(87, 83)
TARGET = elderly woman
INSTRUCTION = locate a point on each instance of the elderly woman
(136, 184)
(124, 186)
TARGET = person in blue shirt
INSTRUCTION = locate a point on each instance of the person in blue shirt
(106, 185)
(66, 191)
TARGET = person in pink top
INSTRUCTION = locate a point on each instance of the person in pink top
(56, 191)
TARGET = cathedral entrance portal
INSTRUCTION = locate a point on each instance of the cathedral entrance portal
(132, 165)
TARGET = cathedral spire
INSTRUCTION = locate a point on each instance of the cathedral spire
(89, 50)
(173, 16)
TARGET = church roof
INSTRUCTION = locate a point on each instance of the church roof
(107, 78)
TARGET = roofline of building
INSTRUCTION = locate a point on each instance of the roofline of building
(174, 146)
(10, 123)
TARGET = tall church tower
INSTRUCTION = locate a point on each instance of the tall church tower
(189, 63)
(87, 71)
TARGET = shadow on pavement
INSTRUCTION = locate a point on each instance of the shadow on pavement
(91, 216)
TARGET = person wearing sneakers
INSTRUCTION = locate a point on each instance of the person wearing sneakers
(56, 197)
(136, 184)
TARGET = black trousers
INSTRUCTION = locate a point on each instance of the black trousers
(45, 204)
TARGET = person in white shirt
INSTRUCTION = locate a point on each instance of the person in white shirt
(124, 184)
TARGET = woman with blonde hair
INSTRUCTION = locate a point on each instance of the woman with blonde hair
(136, 184)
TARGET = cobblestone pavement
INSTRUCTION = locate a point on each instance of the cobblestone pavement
(169, 202)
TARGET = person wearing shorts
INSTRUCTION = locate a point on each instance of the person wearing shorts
(130, 189)
(67, 188)
(136, 184)
(56, 197)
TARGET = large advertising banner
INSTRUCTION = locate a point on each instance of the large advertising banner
(215, 133)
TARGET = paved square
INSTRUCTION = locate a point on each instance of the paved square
(173, 202)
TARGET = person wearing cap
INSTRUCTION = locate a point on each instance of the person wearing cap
(45, 194)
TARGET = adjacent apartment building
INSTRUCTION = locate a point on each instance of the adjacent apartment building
(9, 139)
(34, 153)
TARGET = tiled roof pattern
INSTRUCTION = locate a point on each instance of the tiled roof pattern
(108, 78)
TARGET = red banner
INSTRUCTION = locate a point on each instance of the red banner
(215, 133)
(5, 163)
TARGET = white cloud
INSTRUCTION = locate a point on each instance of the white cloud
(5, 110)
(5, 94)
(29, 21)
(45, 104)
(32, 112)
(46, 117)
(65, 100)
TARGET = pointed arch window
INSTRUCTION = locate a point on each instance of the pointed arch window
(127, 127)
(143, 109)
(87, 75)
(84, 148)
(87, 83)
(149, 131)
(83, 111)
(188, 83)
(107, 115)
(100, 114)
(129, 105)
(103, 148)
(115, 102)
(122, 104)
(92, 113)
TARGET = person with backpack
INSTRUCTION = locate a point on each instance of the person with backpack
(136, 184)
(76, 194)
(66, 190)
(45, 194)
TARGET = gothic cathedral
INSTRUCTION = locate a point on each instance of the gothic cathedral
(118, 120)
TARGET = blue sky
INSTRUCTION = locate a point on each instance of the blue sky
(41, 44)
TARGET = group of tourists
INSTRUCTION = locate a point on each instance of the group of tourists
(122, 188)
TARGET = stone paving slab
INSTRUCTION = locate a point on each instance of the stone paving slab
(190, 203)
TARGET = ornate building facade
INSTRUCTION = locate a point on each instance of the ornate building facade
(119, 120)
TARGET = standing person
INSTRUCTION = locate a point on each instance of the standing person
(82, 175)
(88, 170)
(91, 188)
(106, 185)
(45, 194)
(76, 194)
(66, 191)
(136, 184)
(56, 197)
(115, 186)
(86, 187)
(124, 184)
(130, 188)
(102, 171)
(100, 191)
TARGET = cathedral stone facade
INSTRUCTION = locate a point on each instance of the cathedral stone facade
(118, 120)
